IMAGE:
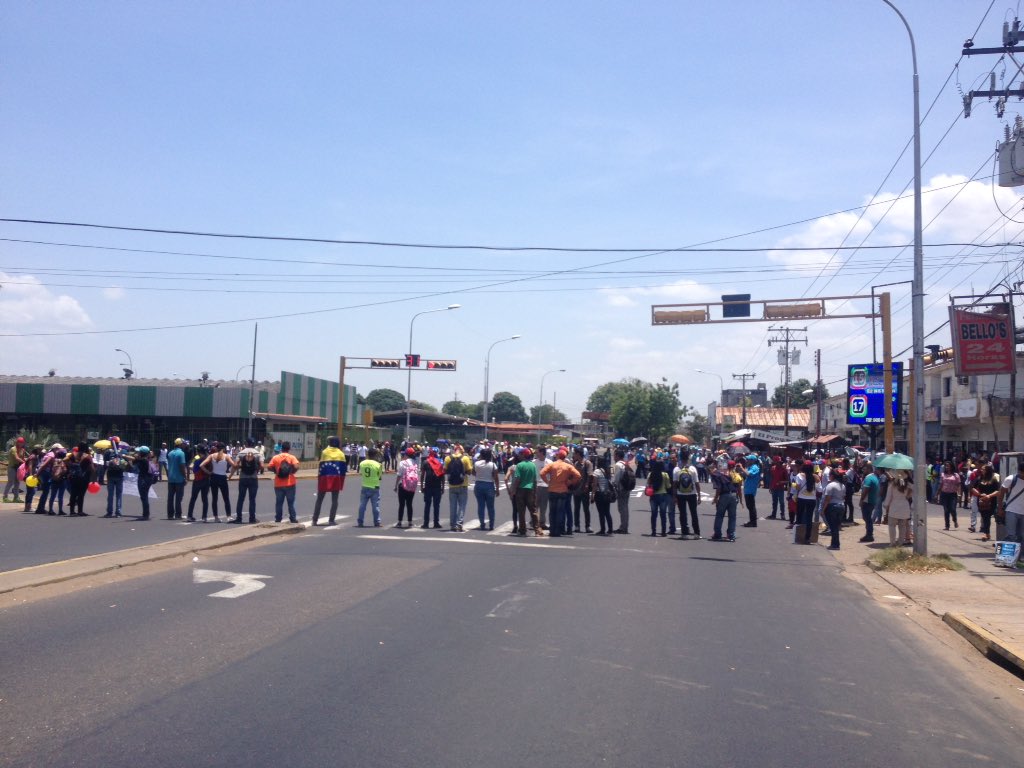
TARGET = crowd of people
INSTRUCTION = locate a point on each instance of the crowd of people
(556, 491)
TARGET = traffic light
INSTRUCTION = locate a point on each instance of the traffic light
(412, 361)
(440, 365)
(386, 363)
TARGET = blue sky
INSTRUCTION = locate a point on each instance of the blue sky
(598, 125)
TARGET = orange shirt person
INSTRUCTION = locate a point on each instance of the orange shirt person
(284, 466)
(560, 476)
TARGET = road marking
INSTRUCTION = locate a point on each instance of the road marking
(243, 583)
(324, 526)
(464, 540)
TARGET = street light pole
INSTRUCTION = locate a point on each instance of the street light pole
(487, 378)
(408, 382)
(917, 315)
(131, 365)
(540, 408)
(721, 389)
(242, 368)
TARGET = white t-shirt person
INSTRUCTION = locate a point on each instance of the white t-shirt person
(679, 471)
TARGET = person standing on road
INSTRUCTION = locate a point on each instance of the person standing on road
(560, 476)
(371, 472)
(582, 490)
(751, 482)
(432, 487)
(602, 494)
(457, 469)
(898, 510)
(660, 496)
(1011, 499)
(486, 489)
(34, 457)
(869, 492)
(16, 456)
(686, 484)
(284, 466)
(58, 481)
(834, 505)
(200, 483)
(115, 464)
(174, 464)
(778, 483)
(44, 474)
(330, 478)
(985, 491)
(806, 491)
(162, 463)
(250, 466)
(724, 500)
(525, 483)
(624, 481)
(80, 473)
(145, 477)
(541, 460)
(407, 480)
(217, 465)
(949, 492)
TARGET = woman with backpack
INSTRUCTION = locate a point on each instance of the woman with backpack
(58, 481)
(80, 473)
(485, 489)
(218, 464)
(407, 480)
(602, 492)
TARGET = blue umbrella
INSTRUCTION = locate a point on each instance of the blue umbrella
(620, 441)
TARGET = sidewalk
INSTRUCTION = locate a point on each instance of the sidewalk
(984, 603)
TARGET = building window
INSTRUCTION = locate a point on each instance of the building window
(947, 386)
(972, 385)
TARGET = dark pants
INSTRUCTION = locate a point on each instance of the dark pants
(581, 500)
(779, 502)
(144, 485)
(948, 501)
(404, 503)
(316, 507)
(44, 490)
(175, 493)
(805, 516)
(432, 498)
(986, 520)
(751, 502)
(281, 495)
(726, 507)
(77, 489)
(199, 487)
(690, 502)
(604, 512)
(848, 501)
(558, 510)
(834, 514)
(248, 485)
(867, 514)
(219, 484)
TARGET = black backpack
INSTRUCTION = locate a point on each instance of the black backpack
(285, 469)
(456, 471)
(628, 479)
(249, 465)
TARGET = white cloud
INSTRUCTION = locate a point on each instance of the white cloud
(113, 293)
(676, 292)
(26, 305)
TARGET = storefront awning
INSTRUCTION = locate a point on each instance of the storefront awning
(823, 439)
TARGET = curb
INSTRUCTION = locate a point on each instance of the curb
(93, 565)
(990, 646)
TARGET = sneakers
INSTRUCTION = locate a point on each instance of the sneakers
(750, 525)
(732, 538)
(866, 538)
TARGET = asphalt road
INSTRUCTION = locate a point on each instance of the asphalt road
(420, 648)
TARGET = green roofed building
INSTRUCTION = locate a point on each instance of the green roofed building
(153, 411)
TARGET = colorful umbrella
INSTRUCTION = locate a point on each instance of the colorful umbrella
(680, 439)
(638, 441)
(101, 445)
(620, 441)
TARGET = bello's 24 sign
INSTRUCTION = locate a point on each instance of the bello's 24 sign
(983, 342)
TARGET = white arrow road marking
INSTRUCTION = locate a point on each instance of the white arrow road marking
(244, 583)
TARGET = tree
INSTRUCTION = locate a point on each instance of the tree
(506, 407)
(639, 408)
(601, 398)
(422, 406)
(455, 408)
(697, 429)
(546, 414)
(385, 400)
(797, 398)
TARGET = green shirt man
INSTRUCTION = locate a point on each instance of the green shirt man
(526, 475)
(371, 471)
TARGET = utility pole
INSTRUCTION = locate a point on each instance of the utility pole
(788, 337)
(742, 377)
(817, 393)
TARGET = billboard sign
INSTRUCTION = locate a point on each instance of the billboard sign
(983, 342)
(865, 393)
